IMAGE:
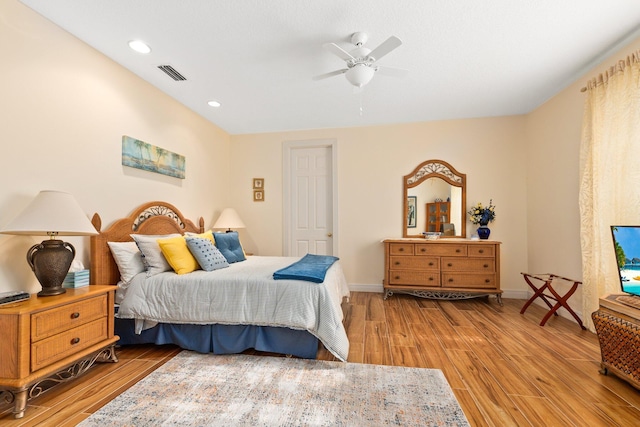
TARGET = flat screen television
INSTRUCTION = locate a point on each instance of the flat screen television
(626, 244)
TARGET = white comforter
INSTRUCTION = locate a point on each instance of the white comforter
(245, 293)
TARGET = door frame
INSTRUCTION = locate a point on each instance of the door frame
(287, 148)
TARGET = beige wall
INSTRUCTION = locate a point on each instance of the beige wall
(553, 149)
(64, 109)
(371, 164)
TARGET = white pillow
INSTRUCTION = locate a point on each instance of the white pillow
(152, 256)
(128, 258)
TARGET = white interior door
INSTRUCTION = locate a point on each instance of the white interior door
(309, 198)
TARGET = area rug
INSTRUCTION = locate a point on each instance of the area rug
(194, 389)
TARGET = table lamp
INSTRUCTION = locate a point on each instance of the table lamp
(229, 219)
(51, 213)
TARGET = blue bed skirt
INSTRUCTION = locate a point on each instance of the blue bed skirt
(222, 339)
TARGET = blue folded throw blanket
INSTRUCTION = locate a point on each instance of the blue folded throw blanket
(311, 268)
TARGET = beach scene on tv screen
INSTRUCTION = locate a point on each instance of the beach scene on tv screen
(627, 247)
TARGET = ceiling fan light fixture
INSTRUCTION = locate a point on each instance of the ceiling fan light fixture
(359, 75)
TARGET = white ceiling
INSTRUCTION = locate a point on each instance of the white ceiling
(467, 58)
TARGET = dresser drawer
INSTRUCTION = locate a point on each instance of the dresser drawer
(408, 277)
(479, 265)
(466, 280)
(481, 251)
(414, 263)
(52, 349)
(401, 249)
(51, 322)
(441, 249)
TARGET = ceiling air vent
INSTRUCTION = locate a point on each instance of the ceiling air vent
(172, 72)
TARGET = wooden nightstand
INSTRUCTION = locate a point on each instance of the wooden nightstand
(48, 340)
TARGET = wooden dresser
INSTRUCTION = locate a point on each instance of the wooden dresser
(443, 268)
(49, 340)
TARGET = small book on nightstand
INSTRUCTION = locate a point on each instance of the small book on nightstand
(76, 279)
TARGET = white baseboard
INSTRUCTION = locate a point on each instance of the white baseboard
(513, 294)
(363, 287)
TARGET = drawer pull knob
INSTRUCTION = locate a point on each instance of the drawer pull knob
(431, 279)
(75, 315)
(75, 341)
(449, 265)
(487, 281)
(423, 250)
(431, 263)
(401, 249)
(486, 266)
(397, 262)
(457, 251)
(397, 277)
(481, 251)
(450, 280)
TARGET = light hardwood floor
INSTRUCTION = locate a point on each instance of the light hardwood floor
(504, 369)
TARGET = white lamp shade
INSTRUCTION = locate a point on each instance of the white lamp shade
(359, 75)
(229, 219)
(51, 212)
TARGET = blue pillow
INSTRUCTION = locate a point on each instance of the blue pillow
(208, 256)
(229, 245)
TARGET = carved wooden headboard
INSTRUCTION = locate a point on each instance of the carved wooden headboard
(150, 218)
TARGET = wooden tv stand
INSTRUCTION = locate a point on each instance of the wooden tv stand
(617, 323)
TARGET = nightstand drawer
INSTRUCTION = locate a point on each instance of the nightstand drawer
(51, 322)
(50, 350)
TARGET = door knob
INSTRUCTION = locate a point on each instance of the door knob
(329, 234)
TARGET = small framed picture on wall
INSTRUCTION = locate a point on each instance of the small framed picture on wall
(258, 195)
(258, 183)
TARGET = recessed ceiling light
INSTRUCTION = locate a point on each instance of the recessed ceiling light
(214, 104)
(139, 46)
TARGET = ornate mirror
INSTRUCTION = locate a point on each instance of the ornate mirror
(435, 200)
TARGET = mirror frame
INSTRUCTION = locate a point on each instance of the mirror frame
(435, 169)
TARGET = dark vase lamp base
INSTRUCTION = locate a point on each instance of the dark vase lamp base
(49, 292)
(50, 262)
(483, 232)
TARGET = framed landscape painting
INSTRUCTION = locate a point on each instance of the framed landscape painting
(141, 155)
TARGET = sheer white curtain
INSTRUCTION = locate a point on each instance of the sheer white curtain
(609, 175)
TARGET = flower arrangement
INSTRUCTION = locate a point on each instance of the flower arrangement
(482, 215)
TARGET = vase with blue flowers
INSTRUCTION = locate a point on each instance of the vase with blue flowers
(483, 215)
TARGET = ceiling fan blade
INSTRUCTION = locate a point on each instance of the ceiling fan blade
(386, 47)
(331, 74)
(392, 71)
(338, 51)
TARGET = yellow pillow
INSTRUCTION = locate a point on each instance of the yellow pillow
(205, 235)
(177, 253)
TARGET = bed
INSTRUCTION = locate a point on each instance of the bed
(227, 310)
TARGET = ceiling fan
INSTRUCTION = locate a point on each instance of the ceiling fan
(362, 62)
